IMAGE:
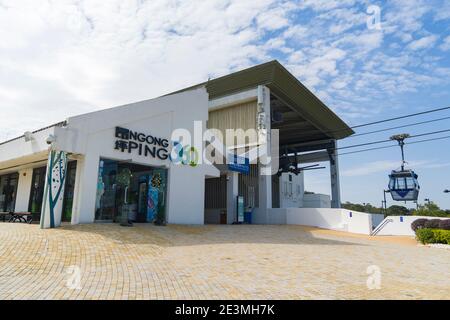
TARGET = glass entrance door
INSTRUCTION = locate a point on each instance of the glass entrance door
(156, 201)
(8, 191)
(37, 191)
(125, 202)
(105, 205)
(69, 190)
(134, 191)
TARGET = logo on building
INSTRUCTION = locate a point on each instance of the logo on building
(143, 144)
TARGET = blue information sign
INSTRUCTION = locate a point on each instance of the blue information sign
(238, 164)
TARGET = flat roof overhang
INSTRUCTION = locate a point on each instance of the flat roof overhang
(307, 125)
(30, 161)
(306, 118)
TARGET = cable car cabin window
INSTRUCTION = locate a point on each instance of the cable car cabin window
(398, 181)
(391, 184)
(401, 183)
(410, 183)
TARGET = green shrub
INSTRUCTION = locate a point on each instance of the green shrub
(418, 224)
(425, 235)
(441, 236)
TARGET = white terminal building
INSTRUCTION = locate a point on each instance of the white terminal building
(104, 165)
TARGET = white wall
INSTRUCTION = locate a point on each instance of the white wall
(277, 216)
(13, 152)
(291, 192)
(356, 222)
(317, 217)
(76, 213)
(23, 190)
(316, 200)
(400, 225)
(327, 218)
(93, 135)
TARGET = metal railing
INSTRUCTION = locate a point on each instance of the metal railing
(381, 226)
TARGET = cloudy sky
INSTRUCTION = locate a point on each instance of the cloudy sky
(61, 58)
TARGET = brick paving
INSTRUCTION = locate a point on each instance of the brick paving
(213, 262)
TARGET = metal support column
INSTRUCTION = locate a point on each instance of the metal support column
(334, 176)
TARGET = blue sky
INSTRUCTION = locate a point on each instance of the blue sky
(401, 69)
(60, 58)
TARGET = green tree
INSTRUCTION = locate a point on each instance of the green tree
(396, 210)
(366, 207)
(430, 209)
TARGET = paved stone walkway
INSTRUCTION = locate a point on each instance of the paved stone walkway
(214, 262)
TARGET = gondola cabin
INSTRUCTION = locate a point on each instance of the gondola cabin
(403, 185)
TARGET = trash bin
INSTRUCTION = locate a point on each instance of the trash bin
(248, 216)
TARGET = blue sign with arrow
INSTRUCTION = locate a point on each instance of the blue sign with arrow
(238, 164)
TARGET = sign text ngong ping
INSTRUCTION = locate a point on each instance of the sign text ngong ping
(145, 145)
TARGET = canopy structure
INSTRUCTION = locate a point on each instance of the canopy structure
(304, 121)
(308, 129)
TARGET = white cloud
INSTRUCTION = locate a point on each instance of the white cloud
(436, 165)
(372, 65)
(68, 57)
(369, 168)
(442, 12)
(325, 5)
(405, 16)
(381, 166)
(423, 43)
(274, 19)
(445, 46)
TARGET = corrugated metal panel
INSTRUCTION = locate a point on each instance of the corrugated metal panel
(241, 116)
(286, 87)
(242, 80)
(216, 193)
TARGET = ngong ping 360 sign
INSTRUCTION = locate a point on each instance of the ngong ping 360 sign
(206, 146)
(145, 145)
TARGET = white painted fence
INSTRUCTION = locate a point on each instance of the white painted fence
(343, 220)
(399, 225)
(335, 219)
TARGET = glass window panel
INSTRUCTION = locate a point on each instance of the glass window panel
(69, 190)
(8, 191)
(106, 190)
(37, 190)
(130, 190)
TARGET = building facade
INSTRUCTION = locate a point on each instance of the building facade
(147, 161)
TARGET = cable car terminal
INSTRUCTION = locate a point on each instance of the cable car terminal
(121, 164)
